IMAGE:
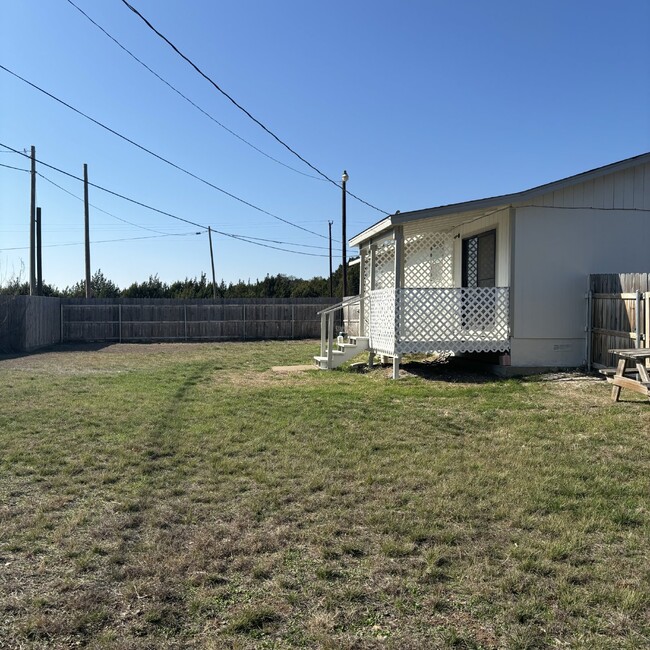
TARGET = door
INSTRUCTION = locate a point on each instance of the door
(479, 260)
(479, 270)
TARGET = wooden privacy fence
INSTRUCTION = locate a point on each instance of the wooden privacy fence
(28, 323)
(186, 320)
(618, 315)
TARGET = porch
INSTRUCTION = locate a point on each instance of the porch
(428, 320)
(427, 290)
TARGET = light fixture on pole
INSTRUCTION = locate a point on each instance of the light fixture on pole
(344, 180)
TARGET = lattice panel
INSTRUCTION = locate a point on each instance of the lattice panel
(453, 320)
(366, 288)
(367, 261)
(381, 330)
(428, 260)
(385, 266)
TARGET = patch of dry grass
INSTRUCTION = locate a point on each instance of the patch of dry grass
(166, 496)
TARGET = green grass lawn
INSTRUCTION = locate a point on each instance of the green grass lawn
(173, 496)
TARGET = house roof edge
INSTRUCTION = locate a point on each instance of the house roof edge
(495, 201)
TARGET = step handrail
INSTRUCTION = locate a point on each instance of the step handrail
(327, 326)
(340, 305)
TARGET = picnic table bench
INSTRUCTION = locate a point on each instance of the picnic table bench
(631, 362)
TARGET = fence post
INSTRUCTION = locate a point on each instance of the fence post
(119, 312)
(61, 335)
(244, 323)
(293, 320)
(185, 319)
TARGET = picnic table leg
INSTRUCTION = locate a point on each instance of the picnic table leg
(643, 373)
(620, 371)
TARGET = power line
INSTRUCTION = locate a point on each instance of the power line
(158, 210)
(159, 157)
(252, 240)
(18, 169)
(288, 243)
(49, 180)
(105, 189)
(256, 243)
(241, 108)
(106, 241)
(187, 99)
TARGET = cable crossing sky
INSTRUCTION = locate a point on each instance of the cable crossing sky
(256, 241)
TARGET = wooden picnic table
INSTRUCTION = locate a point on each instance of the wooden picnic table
(631, 361)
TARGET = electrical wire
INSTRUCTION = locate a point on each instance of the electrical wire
(256, 243)
(18, 169)
(131, 223)
(107, 241)
(158, 210)
(159, 157)
(187, 99)
(288, 243)
(105, 189)
(241, 108)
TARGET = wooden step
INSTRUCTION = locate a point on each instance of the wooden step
(344, 352)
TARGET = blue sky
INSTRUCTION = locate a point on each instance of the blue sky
(423, 102)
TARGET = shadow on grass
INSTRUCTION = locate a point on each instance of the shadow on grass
(448, 369)
(58, 348)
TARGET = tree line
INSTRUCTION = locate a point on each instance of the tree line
(272, 286)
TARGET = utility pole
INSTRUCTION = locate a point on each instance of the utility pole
(39, 255)
(214, 281)
(329, 223)
(32, 229)
(344, 180)
(87, 231)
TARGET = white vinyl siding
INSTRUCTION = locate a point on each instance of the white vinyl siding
(628, 189)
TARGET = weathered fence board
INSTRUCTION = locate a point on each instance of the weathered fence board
(615, 322)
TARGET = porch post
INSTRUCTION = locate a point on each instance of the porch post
(398, 236)
(362, 293)
(372, 251)
(323, 334)
(373, 270)
(330, 339)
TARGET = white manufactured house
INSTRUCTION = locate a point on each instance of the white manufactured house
(505, 275)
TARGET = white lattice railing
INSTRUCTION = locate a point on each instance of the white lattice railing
(380, 309)
(428, 260)
(429, 320)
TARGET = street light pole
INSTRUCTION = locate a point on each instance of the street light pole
(344, 180)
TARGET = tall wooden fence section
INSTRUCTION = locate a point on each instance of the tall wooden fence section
(28, 323)
(141, 320)
(619, 314)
